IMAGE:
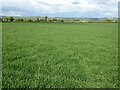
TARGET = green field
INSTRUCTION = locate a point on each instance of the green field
(59, 55)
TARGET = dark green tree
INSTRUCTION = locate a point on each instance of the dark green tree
(108, 21)
(10, 18)
(46, 18)
(62, 21)
(19, 19)
(29, 20)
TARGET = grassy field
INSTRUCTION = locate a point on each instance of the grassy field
(60, 55)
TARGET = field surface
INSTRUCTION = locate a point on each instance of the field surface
(59, 55)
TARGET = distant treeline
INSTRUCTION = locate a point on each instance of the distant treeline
(46, 19)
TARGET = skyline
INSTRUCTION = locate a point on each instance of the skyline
(60, 8)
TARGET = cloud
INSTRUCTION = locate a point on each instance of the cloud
(107, 14)
(75, 2)
(64, 8)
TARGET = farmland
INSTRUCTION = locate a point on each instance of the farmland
(81, 55)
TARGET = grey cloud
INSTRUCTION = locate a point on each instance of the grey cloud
(76, 3)
(44, 3)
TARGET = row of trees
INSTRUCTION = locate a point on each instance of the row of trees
(45, 19)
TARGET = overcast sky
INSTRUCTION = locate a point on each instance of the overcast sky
(60, 8)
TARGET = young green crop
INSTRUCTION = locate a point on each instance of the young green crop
(61, 55)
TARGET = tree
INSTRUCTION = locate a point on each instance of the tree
(46, 18)
(38, 20)
(54, 20)
(10, 18)
(6, 19)
(108, 20)
(29, 20)
(50, 20)
(62, 20)
(116, 21)
(19, 19)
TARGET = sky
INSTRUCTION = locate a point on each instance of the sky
(60, 8)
